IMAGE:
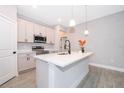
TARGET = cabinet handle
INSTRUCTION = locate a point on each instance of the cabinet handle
(27, 58)
(26, 40)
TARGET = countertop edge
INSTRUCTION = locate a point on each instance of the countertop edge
(90, 53)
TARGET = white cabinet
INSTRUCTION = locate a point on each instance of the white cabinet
(39, 30)
(42, 30)
(50, 35)
(36, 29)
(22, 62)
(21, 30)
(25, 61)
(29, 32)
(25, 31)
(53, 35)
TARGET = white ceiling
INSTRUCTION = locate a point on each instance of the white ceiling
(50, 14)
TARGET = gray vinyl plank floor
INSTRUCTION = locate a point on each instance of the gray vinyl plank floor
(102, 78)
(24, 80)
(96, 78)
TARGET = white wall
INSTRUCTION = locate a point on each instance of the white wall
(105, 40)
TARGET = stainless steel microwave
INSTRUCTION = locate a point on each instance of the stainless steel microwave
(39, 39)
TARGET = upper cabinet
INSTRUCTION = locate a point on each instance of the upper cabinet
(27, 30)
(21, 30)
(50, 33)
(39, 30)
(36, 29)
(43, 30)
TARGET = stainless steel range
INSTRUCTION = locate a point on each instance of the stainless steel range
(39, 50)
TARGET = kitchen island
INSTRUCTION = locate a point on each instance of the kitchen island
(61, 71)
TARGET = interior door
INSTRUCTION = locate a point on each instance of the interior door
(8, 63)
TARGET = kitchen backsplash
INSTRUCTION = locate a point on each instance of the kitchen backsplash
(28, 46)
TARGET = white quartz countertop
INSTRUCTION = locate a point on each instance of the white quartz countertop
(63, 60)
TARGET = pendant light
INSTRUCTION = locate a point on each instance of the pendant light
(86, 32)
(72, 22)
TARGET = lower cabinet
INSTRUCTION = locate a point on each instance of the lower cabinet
(26, 61)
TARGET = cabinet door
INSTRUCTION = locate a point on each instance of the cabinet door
(36, 29)
(31, 61)
(7, 46)
(22, 62)
(21, 30)
(42, 30)
(50, 35)
(29, 31)
(53, 35)
(25, 61)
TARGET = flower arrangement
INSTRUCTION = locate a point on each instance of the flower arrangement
(82, 43)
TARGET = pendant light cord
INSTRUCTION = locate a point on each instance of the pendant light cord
(85, 17)
(72, 12)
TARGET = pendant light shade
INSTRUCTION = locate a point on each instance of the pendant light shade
(72, 23)
(86, 32)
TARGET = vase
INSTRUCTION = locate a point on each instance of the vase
(82, 49)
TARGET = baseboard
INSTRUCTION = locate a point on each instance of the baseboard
(6, 78)
(27, 70)
(107, 67)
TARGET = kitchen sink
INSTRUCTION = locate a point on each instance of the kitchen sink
(63, 53)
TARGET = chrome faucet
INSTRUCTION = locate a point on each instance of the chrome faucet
(69, 46)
